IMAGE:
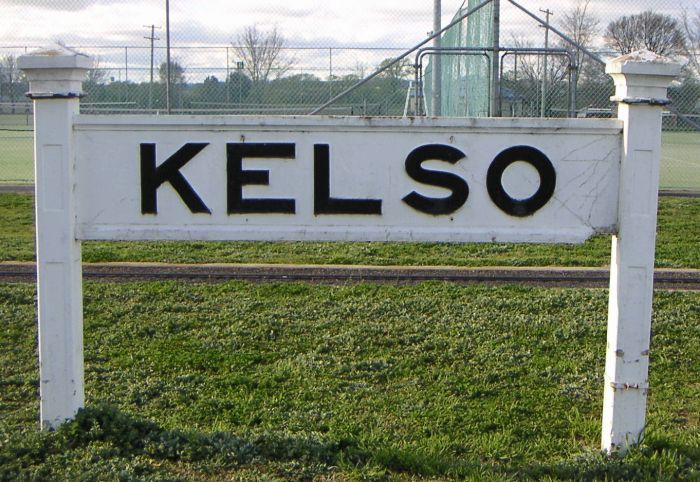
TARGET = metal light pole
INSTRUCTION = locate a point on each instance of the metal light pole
(167, 55)
(437, 60)
(543, 103)
(495, 61)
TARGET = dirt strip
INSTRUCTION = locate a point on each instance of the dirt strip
(667, 279)
(28, 188)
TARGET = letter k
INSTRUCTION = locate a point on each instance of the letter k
(169, 171)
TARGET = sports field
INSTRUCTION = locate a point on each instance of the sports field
(680, 164)
(16, 155)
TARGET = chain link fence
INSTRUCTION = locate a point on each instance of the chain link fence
(269, 58)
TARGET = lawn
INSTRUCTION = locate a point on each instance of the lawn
(680, 163)
(436, 381)
(16, 154)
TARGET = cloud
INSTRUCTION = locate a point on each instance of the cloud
(72, 5)
(322, 24)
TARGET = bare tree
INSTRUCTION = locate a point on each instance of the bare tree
(360, 69)
(530, 66)
(262, 54)
(648, 30)
(97, 74)
(527, 66)
(581, 26)
(691, 28)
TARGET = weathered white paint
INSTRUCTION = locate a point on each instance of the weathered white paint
(606, 182)
(367, 158)
(639, 77)
(53, 74)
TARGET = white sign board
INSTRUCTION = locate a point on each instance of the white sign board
(303, 178)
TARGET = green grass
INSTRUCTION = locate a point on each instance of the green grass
(680, 161)
(678, 242)
(366, 382)
(16, 154)
(16, 149)
(24, 121)
(16, 227)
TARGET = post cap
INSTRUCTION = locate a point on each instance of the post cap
(58, 57)
(643, 62)
(55, 72)
(642, 77)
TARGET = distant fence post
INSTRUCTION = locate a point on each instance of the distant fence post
(641, 79)
(55, 79)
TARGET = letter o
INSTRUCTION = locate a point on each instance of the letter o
(521, 207)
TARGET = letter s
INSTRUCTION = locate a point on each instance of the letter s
(447, 180)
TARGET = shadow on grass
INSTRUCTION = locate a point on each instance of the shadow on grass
(104, 441)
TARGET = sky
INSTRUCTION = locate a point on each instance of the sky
(304, 22)
(319, 24)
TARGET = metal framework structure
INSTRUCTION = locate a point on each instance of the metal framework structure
(420, 107)
(495, 52)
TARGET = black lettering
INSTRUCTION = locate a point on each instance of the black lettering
(458, 186)
(237, 177)
(169, 171)
(521, 207)
(323, 202)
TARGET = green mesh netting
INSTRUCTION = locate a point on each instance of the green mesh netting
(465, 77)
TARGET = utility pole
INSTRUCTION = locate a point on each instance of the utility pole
(228, 80)
(330, 72)
(239, 68)
(167, 54)
(1, 81)
(437, 70)
(543, 104)
(152, 38)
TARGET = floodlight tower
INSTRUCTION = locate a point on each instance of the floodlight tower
(543, 100)
(495, 61)
(167, 55)
(437, 60)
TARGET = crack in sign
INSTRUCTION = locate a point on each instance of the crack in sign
(592, 176)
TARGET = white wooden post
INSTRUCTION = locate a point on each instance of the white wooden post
(55, 77)
(641, 79)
